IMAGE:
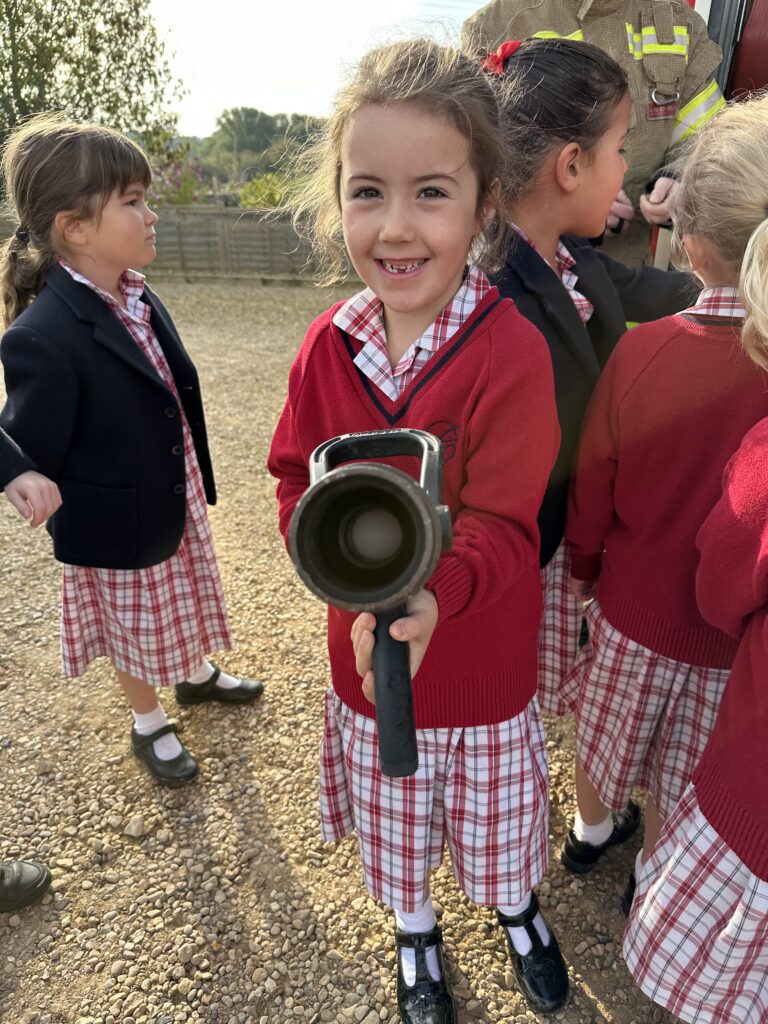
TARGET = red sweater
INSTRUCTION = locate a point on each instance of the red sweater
(673, 403)
(489, 394)
(732, 587)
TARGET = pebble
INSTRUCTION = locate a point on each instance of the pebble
(135, 827)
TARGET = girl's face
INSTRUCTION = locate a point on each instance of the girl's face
(123, 235)
(408, 198)
(603, 174)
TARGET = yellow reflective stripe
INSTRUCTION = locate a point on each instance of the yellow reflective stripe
(697, 111)
(578, 34)
(647, 41)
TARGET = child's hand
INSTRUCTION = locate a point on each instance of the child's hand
(585, 590)
(34, 496)
(417, 628)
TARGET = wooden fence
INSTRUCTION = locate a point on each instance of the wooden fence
(198, 242)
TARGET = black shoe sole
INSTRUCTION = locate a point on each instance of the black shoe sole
(577, 867)
(168, 783)
(187, 702)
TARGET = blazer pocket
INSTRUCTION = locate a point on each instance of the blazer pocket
(96, 526)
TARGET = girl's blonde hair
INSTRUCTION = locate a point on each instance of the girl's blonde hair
(442, 82)
(52, 164)
(723, 197)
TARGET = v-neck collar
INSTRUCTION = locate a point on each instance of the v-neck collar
(393, 410)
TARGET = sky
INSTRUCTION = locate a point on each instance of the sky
(283, 56)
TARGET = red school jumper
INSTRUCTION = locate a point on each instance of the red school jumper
(732, 588)
(489, 394)
(671, 408)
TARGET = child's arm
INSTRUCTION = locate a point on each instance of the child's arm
(591, 499)
(647, 293)
(287, 462)
(511, 445)
(732, 580)
(42, 398)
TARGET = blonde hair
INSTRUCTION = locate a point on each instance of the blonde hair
(51, 164)
(441, 81)
(723, 197)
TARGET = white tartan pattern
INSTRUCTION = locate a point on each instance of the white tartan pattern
(697, 937)
(483, 788)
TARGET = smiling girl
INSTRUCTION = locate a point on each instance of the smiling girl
(409, 173)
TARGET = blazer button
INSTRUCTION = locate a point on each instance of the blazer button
(171, 412)
(177, 449)
(179, 488)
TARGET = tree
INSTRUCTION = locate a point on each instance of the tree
(245, 129)
(95, 59)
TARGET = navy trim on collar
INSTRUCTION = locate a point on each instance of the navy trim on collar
(429, 371)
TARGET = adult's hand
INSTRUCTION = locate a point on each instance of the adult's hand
(622, 212)
(656, 208)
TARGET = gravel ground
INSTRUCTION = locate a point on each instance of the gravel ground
(219, 902)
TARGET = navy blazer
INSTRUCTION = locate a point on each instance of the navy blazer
(87, 408)
(13, 461)
(579, 351)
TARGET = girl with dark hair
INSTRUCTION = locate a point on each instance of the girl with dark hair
(103, 399)
(569, 111)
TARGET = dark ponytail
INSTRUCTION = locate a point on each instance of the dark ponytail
(563, 91)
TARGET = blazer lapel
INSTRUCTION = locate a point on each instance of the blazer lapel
(539, 279)
(595, 284)
(107, 329)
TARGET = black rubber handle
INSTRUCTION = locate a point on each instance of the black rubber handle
(398, 753)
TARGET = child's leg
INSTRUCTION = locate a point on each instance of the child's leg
(654, 822)
(165, 756)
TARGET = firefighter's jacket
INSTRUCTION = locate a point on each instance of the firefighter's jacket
(662, 45)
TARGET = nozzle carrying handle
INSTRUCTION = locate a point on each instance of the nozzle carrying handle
(398, 753)
(382, 444)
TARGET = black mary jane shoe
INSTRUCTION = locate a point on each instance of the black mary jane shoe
(180, 769)
(541, 974)
(199, 693)
(22, 882)
(580, 857)
(426, 1001)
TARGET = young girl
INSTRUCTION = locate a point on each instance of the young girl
(411, 169)
(103, 399)
(570, 112)
(697, 939)
(669, 411)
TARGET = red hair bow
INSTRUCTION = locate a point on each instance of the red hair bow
(494, 62)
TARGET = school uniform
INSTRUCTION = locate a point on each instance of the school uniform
(107, 404)
(13, 461)
(697, 937)
(580, 342)
(480, 378)
(671, 407)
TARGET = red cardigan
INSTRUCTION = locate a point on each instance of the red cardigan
(489, 394)
(671, 407)
(732, 588)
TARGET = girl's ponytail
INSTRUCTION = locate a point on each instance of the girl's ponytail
(23, 266)
(52, 164)
(753, 285)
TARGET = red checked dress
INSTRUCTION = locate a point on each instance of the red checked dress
(482, 789)
(157, 623)
(646, 689)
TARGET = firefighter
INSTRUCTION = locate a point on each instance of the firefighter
(669, 59)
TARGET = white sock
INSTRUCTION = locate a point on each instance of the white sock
(422, 920)
(519, 936)
(204, 673)
(168, 746)
(595, 835)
